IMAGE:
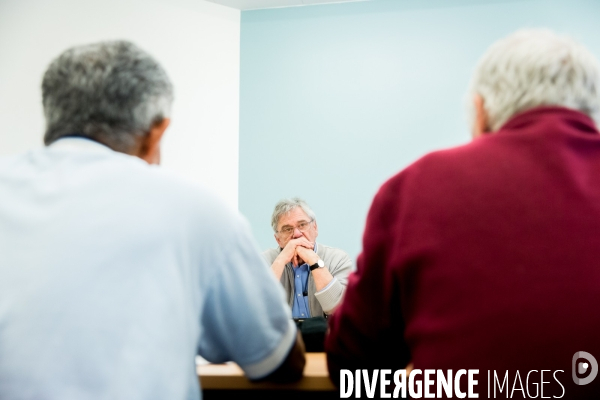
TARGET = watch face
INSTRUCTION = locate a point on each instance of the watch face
(320, 263)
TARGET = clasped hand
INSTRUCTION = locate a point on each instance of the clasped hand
(297, 250)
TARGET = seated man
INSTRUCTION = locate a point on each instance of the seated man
(487, 256)
(115, 274)
(313, 275)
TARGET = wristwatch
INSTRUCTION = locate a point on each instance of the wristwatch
(318, 264)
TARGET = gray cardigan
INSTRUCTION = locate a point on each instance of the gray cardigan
(339, 265)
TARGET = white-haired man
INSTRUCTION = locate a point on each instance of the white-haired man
(313, 275)
(486, 257)
(114, 274)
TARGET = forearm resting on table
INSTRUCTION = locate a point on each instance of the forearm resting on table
(292, 367)
(331, 295)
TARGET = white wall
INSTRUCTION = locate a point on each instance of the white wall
(196, 41)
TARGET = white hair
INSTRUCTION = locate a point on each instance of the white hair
(536, 67)
(287, 205)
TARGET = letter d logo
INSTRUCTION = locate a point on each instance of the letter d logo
(582, 367)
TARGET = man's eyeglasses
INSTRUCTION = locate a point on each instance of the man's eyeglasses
(302, 227)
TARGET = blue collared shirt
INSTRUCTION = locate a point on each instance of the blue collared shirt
(300, 305)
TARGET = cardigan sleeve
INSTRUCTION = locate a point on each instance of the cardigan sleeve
(330, 296)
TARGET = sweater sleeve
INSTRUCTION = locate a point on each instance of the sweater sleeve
(330, 296)
(367, 329)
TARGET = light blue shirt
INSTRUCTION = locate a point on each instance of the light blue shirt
(300, 307)
(115, 274)
(300, 304)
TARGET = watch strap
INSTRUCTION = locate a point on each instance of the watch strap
(318, 264)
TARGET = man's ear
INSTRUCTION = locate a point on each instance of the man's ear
(481, 122)
(316, 228)
(150, 145)
(276, 239)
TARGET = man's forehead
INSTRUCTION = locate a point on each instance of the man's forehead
(293, 216)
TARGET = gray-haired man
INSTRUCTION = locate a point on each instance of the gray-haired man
(313, 275)
(115, 274)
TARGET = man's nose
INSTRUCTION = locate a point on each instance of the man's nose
(297, 233)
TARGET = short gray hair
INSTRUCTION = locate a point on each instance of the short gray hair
(112, 92)
(286, 205)
(536, 67)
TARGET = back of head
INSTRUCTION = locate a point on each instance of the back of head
(111, 92)
(536, 67)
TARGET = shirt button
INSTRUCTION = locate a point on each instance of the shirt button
(297, 276)
(299, 295)
(303, 314)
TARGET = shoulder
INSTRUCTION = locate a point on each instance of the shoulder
(466, 158)
(178, 204)
(444, 171)
(175, 194)
(439, 162)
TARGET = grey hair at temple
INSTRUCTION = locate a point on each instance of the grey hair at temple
(536, 67)
(286, 205)
(111, 92)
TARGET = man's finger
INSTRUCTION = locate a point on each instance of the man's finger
(302, 241)
(307, 244)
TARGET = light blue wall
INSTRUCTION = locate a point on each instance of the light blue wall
(337, 98)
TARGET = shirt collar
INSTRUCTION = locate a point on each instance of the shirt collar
(79, 143)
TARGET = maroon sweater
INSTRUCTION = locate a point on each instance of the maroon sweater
(483, 256)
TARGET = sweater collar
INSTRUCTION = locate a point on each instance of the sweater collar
(560, 114)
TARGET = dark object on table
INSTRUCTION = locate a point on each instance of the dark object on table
(313, 333)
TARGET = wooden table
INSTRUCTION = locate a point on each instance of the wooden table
(225, 380)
